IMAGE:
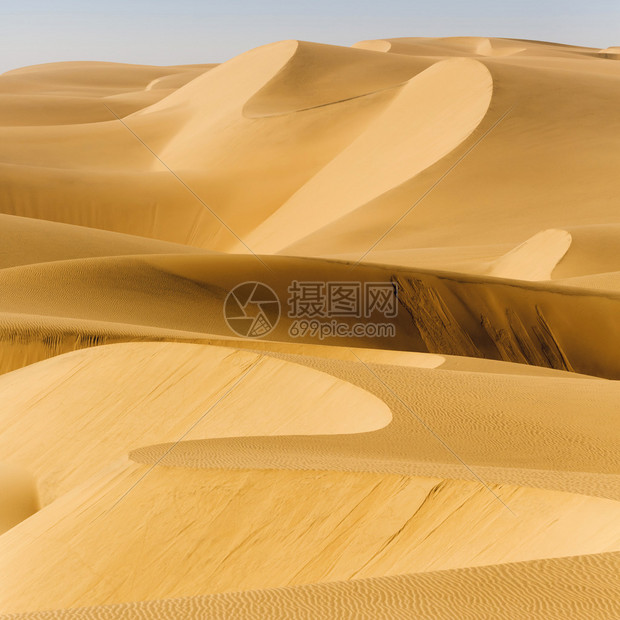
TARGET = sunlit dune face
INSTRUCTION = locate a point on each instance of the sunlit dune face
(318, 331)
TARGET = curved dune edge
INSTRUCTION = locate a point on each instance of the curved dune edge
(193, 129)
(121, 397)
(20, 498)
(214, 98)
(583, 586)
(251, 455)
(238, 79)
(534, 259)
(506, 424)
(284, 527)
(453, 94)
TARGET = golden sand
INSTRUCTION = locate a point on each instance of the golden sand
(155, 464)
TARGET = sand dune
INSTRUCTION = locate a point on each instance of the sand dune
(28, 241)
(475, 316)
(20, 496)
(527, 424)
(157, 464)
(534, 259)
(161, 377)
(282, 158)
(474, 46)
(330, 75)
(26, 338)
(70, 93)
(338, 526)
(537, 589)
(453, 46)
(603, 282)
(612, 53)
(457, 92)
(567, 508)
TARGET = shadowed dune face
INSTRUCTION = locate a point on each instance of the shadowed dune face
(321, 75)
(20, 498)
(477, 316)
(155, 463)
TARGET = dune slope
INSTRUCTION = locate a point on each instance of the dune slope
(451, 450)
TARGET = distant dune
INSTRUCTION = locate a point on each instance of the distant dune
(157, 463)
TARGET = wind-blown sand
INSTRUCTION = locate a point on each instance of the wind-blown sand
(156, 464)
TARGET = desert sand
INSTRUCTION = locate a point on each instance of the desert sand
(155, 463)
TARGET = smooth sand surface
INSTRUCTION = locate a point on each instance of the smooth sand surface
(149, 383)
(283, 528)
(157, 464)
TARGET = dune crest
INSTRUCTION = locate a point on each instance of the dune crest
(428, 426)
(451, 94)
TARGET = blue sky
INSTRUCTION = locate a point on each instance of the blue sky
(190, 31)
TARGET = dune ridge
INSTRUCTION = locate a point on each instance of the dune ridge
(155, 463)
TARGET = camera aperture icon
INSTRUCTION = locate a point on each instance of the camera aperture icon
(252, 309)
